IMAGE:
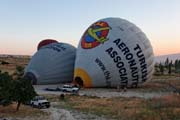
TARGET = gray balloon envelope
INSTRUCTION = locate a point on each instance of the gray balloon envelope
(51, 64)
(113, 52)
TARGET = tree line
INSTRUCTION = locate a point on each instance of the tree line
(15, 89)
(167, 67)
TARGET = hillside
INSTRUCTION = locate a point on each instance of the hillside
(11, 61)
(24, 59)
(162, 58)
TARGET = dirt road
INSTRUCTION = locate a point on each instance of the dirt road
(102, 92)
(62, 114)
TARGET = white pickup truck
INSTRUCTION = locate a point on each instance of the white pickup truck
(40, 102)
(69, 88)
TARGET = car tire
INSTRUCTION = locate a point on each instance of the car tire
(32, 105)
(39, 106)
(47, 106)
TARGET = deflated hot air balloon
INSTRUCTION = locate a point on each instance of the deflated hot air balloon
(52, 63)
(46, 42)
(113, 52)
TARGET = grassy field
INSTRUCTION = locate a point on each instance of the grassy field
(13, 62)
(24, 111)
(122, 108)
(160, 84)
(164, 108)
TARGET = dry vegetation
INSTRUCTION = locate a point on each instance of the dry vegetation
(24, 111)
(164, 108)
(13, 62)
(160, 84)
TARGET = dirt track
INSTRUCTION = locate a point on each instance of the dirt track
(102, 92)
(62, 114)
(57, 113)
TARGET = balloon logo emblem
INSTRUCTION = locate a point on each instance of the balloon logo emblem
(95, 35)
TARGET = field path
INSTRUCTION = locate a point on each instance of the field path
(57, 113)
(107, 93)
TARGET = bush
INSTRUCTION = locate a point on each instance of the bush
(5, 63)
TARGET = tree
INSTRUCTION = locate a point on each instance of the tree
(176, 65)
(19, 71)
(161, 67)
(4, 63)
(156, 70)
(23, 91)
(170, 67)
(166, 63)
(20, 91)
(6, 88)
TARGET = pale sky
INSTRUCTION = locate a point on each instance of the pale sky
(24, 23)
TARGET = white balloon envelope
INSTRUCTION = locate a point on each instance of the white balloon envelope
(51, 64)
(113, 52)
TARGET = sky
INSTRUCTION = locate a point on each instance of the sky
(24, 23)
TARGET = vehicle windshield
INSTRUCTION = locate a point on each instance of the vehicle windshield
(40, 98)
(67, 86)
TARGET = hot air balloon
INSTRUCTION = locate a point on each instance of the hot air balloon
(51, 64)
(46, 42)
(113, 52)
